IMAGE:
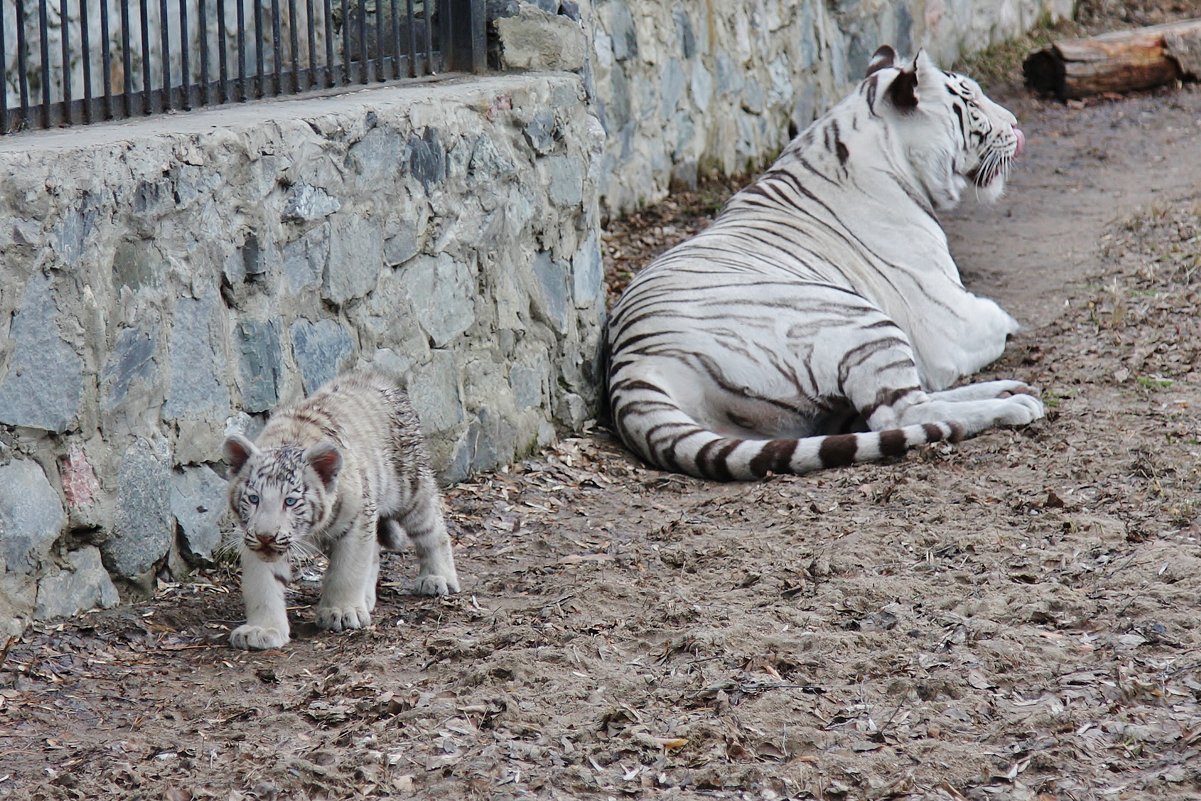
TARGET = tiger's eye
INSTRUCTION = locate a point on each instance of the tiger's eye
(290, 501)
(253, 499)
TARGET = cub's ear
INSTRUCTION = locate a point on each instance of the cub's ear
(883, 58)
(237, 451)
(326, 461)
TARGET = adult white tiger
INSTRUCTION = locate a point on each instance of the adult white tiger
(820, 319)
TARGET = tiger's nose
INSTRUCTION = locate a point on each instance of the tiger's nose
(265, 539)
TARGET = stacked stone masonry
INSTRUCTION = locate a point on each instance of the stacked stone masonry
(694, 86)
(167, 280)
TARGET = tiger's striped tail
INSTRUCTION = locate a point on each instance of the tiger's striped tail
(653, 425)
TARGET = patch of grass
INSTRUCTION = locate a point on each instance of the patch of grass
(1153, 382)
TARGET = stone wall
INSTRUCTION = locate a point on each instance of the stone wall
(167, 280)
(690, 86)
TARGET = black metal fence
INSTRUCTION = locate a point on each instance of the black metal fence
(70, 62)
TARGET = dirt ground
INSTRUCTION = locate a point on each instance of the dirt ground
(1012, 617)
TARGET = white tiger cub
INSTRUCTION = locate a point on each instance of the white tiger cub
(820, 319)
(344, 470)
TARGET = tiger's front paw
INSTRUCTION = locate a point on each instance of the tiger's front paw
(435, 585)
(342, 618)
(257, 638)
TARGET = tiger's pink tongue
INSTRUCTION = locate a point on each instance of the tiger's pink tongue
(1021, 142)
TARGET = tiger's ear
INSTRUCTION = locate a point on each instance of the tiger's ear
(237, 451)
(883, 58)
(326, 461)
(902, 92)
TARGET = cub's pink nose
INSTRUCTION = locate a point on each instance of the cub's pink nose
(1021, 142)
(265, 539)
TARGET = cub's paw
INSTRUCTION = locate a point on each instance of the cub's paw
(434, 585)
(342, 618)
(257, 638)
(1021, 409)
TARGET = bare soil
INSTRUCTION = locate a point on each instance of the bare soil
(1012, 617)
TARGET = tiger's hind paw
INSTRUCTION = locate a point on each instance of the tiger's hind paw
(1021, 409)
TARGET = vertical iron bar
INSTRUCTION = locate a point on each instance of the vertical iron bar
(260, 72)
(363, 70)
(143, 7)
(22, 62)
(203, 28)
(412, 40)
(241, 50)
(185, 64)
(165, 40)
(312, 32)
(328, 22)
(345, 45)
(379, 40)
(106, 59)
(429, 35)
(276, 60)
(294, 43)
(4, 85)
(65, 32)
(222, 58)
(44, 29)
(127, 61)
(85, 44)
(395, 38)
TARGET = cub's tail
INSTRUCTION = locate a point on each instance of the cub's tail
(653, 426)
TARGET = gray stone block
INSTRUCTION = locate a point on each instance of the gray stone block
(403, 244)
(539, 132)
(443, 294)
(672, 88)
(198, 500)
(86, 585)
(427, 158)
(623, 32)
(196, 359)
(434, 393)
(378, 156)
(142, 524)
(537, 40)
(355, 259)
(528, 382)
(305, 259)
(253, 264)
(137, 264)
(260, 364)
(684, 32)
(588, 274)
(31, 516)
(44, 382)
(566, 180)
(72, 233)
(322, 349)
(306, 203)
(551, 302)
(132, 359)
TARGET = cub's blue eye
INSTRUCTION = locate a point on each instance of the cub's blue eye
(290, 501)
(253, 499)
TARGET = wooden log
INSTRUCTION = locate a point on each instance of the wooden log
(1117, 62)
